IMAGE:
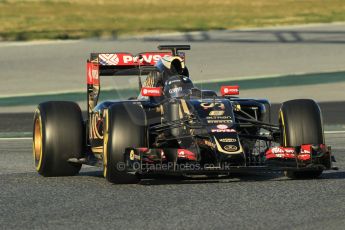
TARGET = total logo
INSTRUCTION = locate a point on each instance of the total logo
(223, 130)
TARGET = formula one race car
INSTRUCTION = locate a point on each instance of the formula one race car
(174, 128)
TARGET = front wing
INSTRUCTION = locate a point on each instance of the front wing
(144, 161)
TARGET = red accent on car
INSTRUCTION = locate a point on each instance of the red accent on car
(303, 157)
(280, 152)
(186, 154)
(289, 153)
(230, 90)
(143, 149)
(128, 59)
(151, 91)
(92, 73)
(305, 149)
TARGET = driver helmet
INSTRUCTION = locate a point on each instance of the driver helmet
(178, 86)
(170, 66)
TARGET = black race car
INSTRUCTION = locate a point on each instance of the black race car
(174, 128)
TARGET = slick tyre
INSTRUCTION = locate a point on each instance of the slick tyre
(57, 137)
(125, 126)
(301, 123)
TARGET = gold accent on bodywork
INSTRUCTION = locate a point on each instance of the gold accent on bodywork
(131, 155)
(180, 112)
(185, 106)
(97, 150)
(94, 127)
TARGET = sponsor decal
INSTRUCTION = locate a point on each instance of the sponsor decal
(222, 126)
(230, 148)
(175, 90)
(305, 149)
(92, 73)
(218, 117)
(184, 153)
(216, 113)
(108, 59)
(276, 150)
(228, 140)
(151, 91)
(223, 130)
(280, 152)
(127, 59)
(217, 105)
(218, 121)
(209, 143)
(230, 90)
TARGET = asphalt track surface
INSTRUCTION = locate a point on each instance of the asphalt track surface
(88, 201)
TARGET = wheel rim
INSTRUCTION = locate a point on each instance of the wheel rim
(37, 142)
(105, 143)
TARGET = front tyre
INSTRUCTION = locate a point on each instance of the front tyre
(301, 123)
(125, 126)
(57, 137)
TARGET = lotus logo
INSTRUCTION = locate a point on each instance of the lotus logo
(230, 148)
(228, 140)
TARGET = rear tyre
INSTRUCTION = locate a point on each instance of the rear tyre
(57, 137)
(125, 126)
(301, 123)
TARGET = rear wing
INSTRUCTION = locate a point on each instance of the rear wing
(115, 64)
(112, 64)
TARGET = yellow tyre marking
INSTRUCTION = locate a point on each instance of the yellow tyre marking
(105, 143)
(37, 141)
(283, 124)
